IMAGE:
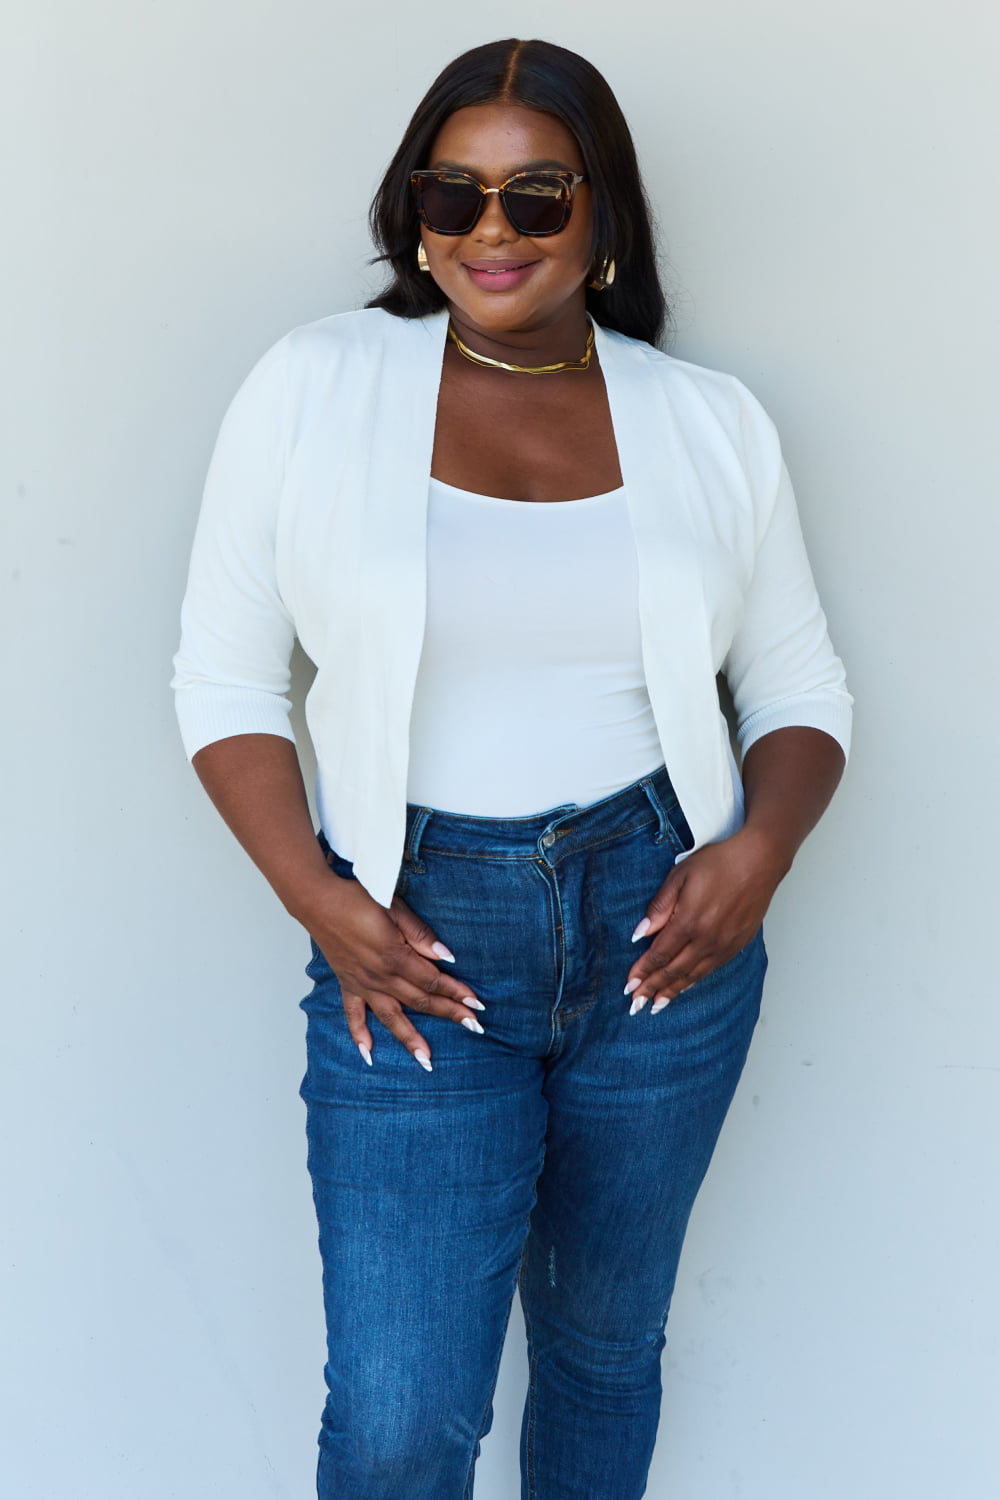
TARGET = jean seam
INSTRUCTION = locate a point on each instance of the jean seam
(594, 923)
(556, 929)
(621, 833)
(496, 858)
(571, 1015)
(559, 946)
(612, 838)
(564, 809)
(529, 1435)
(496, 1367)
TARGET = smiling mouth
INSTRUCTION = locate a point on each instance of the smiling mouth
(498, 267)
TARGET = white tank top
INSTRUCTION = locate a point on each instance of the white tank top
(530, 691)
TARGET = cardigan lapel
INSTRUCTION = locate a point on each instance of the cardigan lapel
(392, 584)
(665, 497)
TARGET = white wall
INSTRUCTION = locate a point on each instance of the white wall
(187, 182)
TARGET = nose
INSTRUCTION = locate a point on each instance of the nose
(494, 226)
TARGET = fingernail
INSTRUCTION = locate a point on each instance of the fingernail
(641, 930)
(637, 1004)
(632, 986)
(365, 1053)
(423, 1058)
(659, 1004)
(471, 1024)
(440, 951)
(473, 1003)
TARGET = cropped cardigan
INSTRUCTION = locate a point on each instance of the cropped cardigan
(313, 524)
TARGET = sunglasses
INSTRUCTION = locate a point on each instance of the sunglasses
(536, 203)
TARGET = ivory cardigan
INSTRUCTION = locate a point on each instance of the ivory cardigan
(314, 521)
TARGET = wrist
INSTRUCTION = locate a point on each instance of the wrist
(768, 849)
(313, 896)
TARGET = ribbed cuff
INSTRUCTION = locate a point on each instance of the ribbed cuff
(831, 713)
(208, 712)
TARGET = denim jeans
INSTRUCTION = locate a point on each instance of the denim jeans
(560, 1152)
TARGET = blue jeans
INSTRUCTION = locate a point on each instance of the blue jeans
(560, 1152)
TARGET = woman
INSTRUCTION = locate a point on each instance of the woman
(519, 543)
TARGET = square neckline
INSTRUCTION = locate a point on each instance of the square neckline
(454, 489)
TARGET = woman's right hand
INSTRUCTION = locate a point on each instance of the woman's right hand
(384, 961)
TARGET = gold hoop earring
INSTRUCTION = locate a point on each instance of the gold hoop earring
(423, 264)
(605, 277)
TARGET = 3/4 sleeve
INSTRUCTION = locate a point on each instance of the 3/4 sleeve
(781, 668)
(231, 672)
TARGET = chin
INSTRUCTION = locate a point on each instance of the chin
(503, 312)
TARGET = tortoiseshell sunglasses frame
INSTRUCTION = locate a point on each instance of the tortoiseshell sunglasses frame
(569, 181)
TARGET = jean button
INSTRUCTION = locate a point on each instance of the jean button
(548, 839)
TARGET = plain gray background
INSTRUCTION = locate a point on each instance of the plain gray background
(184, 183)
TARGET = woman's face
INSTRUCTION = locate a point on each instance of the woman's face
(496, 279)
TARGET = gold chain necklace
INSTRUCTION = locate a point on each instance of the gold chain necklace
(583, 363)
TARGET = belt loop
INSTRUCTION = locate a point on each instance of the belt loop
(670, 815)
(664, 830)
(416, 833)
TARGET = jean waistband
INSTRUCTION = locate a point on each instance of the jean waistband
(552, 834)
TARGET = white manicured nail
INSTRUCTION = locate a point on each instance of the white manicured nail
(472, 1003)
(642, 929)
(471, 1024)
(659, 1004)
(637, 1004)
(423, 1058)
(365, 1053)
(632, 986)
(440, 951)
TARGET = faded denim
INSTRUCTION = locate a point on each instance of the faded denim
(561, 1153)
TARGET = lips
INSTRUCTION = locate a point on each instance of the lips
(500, 274)
(495, 267)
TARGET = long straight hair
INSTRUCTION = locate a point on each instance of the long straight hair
(545, 77)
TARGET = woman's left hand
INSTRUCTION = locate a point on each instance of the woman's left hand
(707, 909)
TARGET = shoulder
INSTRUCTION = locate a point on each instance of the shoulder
(713, 410)
(342, 358)
(720, 393)
(363, 335)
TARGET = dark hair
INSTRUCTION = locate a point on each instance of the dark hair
(550, 78)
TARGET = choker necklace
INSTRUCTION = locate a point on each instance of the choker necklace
(583, 363)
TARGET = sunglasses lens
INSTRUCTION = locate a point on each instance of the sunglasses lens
(450, 204)
(537, 205)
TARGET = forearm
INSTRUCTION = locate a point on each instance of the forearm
(711, 905)
(385, 960)
(256, 784)
(789, 777)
